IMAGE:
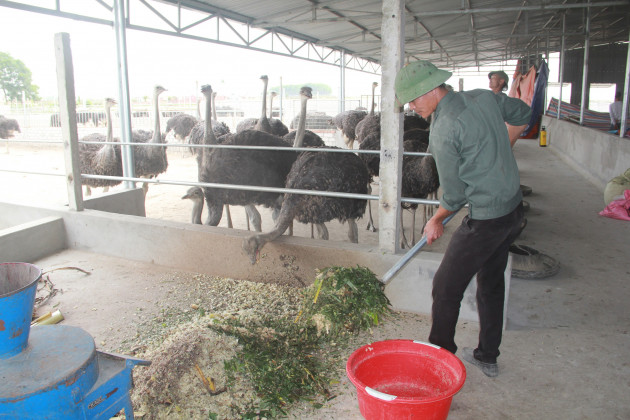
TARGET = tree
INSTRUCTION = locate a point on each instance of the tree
(15, 78)
(294, 90)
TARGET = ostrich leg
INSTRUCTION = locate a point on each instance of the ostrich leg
(353, 231)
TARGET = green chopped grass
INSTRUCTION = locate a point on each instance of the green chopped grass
(285, 358)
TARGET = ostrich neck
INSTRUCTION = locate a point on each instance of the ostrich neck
(283, 222)
(157, 136)
(110, 129)
(299, 135)
(373, 102)
(214, 110)
(196, 211)
(198, 110)
(208, 135)
(264, 102)
(271, 107)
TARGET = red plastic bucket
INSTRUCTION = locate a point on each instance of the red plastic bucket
(405, 379)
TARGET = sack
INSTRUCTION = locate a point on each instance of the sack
(618, 209)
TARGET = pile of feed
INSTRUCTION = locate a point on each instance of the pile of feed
(262, 349)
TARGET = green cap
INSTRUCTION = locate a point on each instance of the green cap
(418, 78)
(501, 75)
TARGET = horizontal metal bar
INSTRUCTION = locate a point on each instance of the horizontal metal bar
(235, 187)
(33, 172)
(32, 141)
(266, 148)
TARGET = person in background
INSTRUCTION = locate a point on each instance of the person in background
(470, 143)
(498, 81)
(615, 112)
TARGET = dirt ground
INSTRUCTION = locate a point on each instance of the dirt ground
(565, 347)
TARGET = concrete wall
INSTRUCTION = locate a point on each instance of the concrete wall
(30, 241)
(217, 251)
(597, 155)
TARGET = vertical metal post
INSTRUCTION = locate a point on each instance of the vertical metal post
(561, 75)
(585, 67)
(342, 81)
(123, 92)
(68, 118)
(626, 89)
(393, 52)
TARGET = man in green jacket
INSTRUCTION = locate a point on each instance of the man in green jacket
(470, 143)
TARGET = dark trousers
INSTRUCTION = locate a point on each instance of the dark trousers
(477, 247)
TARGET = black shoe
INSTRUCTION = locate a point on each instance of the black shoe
(526, 206)
(489, 369)
(525, 190)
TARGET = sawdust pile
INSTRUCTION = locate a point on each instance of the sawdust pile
(183, 349)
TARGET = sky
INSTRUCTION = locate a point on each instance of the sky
(180, 65)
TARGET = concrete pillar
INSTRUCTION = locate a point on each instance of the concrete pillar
(390, 178)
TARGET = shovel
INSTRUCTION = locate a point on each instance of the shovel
(391, 273)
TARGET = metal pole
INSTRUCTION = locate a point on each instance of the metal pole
(410, 254)
(123, 92)
(342, 81)
(585, 67)
(561, 76)
(624, 108)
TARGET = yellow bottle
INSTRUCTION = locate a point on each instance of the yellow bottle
(542, 138)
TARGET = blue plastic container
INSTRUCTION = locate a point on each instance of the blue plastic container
(18, 285)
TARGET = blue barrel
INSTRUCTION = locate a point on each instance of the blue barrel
(18, 285)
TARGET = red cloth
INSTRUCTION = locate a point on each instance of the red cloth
(523, 86)
(618, 209)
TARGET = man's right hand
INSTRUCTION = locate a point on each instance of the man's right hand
(434, 227)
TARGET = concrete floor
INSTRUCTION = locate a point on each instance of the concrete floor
(565, 350)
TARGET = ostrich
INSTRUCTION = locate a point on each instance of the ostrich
(245, 167)
(277, 126)
(263, 121)
(97, 159)
(8, 127)
(319, 171)
(221, 134)
(219, 127)
(413, 121)
(419, 178)
(182, 125)
(419, 174)
(150, 161)
(346, 122)
(371, 123)
(246, 124)
(195, 194)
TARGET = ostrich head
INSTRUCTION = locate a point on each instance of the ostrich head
(110, 102)
(274, 94)
(158, 90)
(252, 247)
(206, 90)
(264, 78)
(306, 91)
(374, 85)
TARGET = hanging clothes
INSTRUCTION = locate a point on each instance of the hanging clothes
(523, 85)
(538, 102)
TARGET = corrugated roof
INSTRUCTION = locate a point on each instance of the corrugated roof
(450, 33)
